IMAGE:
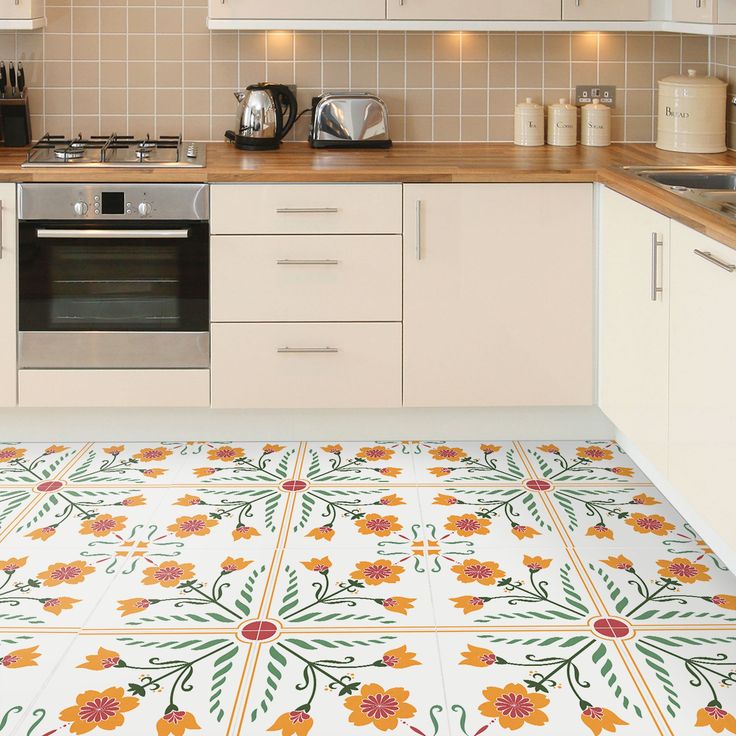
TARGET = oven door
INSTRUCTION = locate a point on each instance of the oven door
(129, 295)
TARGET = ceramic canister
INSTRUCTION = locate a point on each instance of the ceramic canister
(595, 124)
(692, 114)
(529, 124)
(562, 124)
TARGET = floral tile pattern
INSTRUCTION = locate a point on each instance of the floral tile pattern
(430, 588)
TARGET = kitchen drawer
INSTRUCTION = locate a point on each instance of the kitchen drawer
(276, 209)
(117, 388)
(306, 278)
(251, 369)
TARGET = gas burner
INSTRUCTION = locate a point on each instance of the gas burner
(72, 151)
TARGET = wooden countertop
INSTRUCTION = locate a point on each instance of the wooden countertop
(419, 162)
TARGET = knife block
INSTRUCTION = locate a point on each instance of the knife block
(15, 121)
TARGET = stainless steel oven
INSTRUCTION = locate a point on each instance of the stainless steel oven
(113, 276)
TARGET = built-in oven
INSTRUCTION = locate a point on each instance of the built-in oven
(113, 276)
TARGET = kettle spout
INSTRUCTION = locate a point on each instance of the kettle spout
(239, 95)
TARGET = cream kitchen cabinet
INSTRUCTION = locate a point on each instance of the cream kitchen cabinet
(702, 375)
(8, 295)
(473, 9)
(498, 294)
(704, 11)
(634, 322)
(21, 14)
(299, 9)
(606, 10)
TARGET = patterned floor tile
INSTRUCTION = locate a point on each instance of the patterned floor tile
(358, 462)
(34, 462)
(12, 503)
(470, 462)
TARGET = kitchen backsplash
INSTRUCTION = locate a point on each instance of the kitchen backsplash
(104, 65)
(723, 65)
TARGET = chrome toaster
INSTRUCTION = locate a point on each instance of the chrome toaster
(349, 120)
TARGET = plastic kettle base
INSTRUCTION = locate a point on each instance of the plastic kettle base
(245, 143)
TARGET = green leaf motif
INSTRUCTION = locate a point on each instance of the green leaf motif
(275, 670)
(571, 595)
(307, 506)
(223, 665)
(531, 504)
(657, 664)
(10, 501)
(290, 599)
(245, 598)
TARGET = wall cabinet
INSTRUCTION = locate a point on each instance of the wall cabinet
(634, 322)
(473, 10)
(498, 294)
(605, 10)
(702, 370)
(298, 9)
(8, 295)
(704, 11)
(22, 14)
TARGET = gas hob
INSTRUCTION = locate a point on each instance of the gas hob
(115, 151)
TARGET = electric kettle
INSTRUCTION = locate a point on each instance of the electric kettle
(266, 113)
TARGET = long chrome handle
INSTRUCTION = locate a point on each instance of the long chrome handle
(315, 262)
(418, 245)
(307, 210)
(113, 234)
(657, 243)
(306, 350)
(730, 267)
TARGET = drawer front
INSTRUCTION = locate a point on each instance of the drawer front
(258, 366)
(118, 388)
(306, 278)
(288, 209)
(299, 10)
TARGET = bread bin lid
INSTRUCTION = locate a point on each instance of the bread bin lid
(692, 79)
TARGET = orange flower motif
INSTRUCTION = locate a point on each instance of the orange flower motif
(379, 707)
(294, 723)
(71, 573)
(375, 573)
(381, 526)
(391, 500)
(332, 449)
(523, 532)
(650, 524)
(43, 533)
(133, 605)
(467, 525)
(374, 454)
(203, 472)
(322, 532)
(474, 571)
(103, 660)
(153, 472)
(53, 449)
(95, 709)
(548, 448)
(440, 472)
(626, 472)
(11, 453)
(468, 603)
(642, 499)
(233, 564)
(725, 601)
(683, 570)
(718, 719)
(168, 574)
(399, 658)
(270, 449)
(20, 658)
(514, 706)
(390, 472)
(489, 449)
(619, 563)
(192, 526)
(175, 723)
(453, 454)
(57, 605)
(600, 719)
(12, 564)
(133, 501)
(536, 563)
(442, 499)
(114, 449)
(152, 454)
(397, 604)
(600, 531)
(103, 525)
(593, 452)
(322, 564)
(188, 499)
(478, 657)
(245, 532)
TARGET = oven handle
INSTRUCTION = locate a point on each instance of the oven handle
(121, 234)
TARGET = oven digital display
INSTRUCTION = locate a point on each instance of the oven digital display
(113, 203)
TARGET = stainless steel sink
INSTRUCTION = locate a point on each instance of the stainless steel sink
(711, 180)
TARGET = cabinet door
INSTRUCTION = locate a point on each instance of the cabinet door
(21, 9)
(474, 10)
(695, 11)
(702, 370)
(605, 10)
(498, 294)
(299, 10)
(634, 322)
(8, 295)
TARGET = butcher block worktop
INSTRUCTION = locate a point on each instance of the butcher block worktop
(424, 162)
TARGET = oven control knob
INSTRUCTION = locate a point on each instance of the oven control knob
(80, 208)
(144, 209)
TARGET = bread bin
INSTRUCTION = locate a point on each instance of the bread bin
(692, 114)
(529, 124)
(562, 124)
(595, 124)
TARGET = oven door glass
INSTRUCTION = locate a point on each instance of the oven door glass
(141, 277)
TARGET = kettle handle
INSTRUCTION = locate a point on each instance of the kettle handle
(287, 103)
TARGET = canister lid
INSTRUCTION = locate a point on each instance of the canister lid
(596, 105)
(692, 79)
(563, 104)
(528, 105)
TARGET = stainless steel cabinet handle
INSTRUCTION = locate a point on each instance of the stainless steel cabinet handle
(307, 210)
(315, 262)
(306, 350)
(418, 244)
(698, 3)
(117, 234)
(730, 267)
(577, 3)
(657, 243)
